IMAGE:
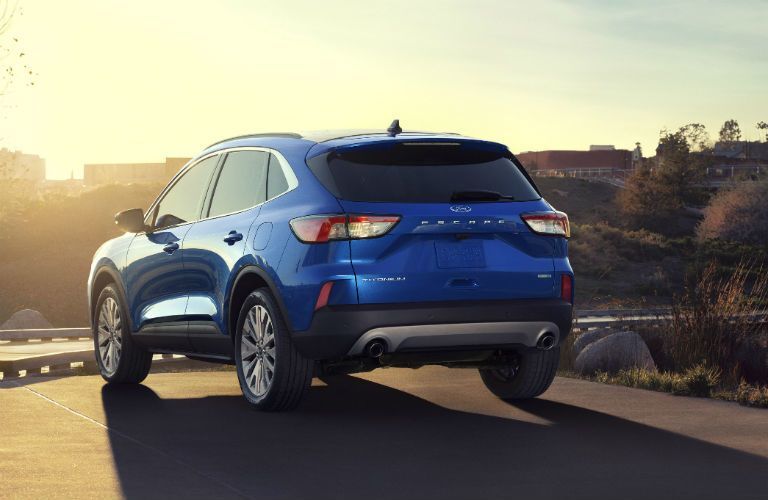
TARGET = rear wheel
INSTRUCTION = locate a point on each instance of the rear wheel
(527, 376)
(119, 359)
(273, 375)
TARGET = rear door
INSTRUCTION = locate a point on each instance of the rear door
(215, 245)
(460, 236)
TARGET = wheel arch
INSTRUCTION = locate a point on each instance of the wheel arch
(101, 278)
(248, 279)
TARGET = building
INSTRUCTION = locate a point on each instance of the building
(18, 165)
(741, 150)
(96, 174)
(596, 157)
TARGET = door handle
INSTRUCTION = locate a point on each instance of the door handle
(170, 248)
(233, 237)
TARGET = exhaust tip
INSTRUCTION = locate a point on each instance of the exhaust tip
(376, 348)
(546, 341)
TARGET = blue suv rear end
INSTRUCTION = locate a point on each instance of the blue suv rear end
(291, 255)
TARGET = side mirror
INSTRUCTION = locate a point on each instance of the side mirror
(131, 221)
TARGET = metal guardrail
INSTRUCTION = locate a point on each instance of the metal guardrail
(589, 313)
(715, 176)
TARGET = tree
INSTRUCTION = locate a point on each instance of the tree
(12, 57)
(646, 200)
(730, 131)
(696, 136)
(764, 127)
(651, 196)
(677, 168)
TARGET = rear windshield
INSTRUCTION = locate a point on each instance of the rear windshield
(421, 173)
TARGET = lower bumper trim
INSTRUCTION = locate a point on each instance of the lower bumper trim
(399, 338)
(335, 331)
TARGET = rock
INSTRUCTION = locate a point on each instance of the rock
(654, 338)
(589, 337)
(26, 318)
(618, 351)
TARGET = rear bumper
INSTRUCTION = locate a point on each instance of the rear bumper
(343, 331)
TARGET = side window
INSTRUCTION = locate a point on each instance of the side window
(242, 182)
(276, 182)
(183, 201)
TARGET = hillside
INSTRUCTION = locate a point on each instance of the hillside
(45, 253)
(615, 266)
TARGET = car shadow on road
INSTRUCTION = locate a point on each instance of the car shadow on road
(358, 439)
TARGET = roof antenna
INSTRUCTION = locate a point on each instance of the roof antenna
(394, 129)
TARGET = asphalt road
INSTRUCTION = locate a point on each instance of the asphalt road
(428, 433)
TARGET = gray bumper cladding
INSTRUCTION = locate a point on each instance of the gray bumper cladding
(438, 336)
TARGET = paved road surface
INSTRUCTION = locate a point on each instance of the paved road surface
(428, 433)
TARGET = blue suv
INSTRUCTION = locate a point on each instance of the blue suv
(293, 255)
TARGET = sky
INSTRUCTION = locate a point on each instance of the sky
(136, 81)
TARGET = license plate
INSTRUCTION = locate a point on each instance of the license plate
(460, 254)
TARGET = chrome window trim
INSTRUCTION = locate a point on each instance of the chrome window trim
(174, 180)
(285, 166)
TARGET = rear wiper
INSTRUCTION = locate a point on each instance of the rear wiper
(479, 196)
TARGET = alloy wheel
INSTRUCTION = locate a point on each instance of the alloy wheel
(257, 350)
(110, 335)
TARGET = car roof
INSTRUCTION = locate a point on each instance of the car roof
(318, 136)
(314, 143)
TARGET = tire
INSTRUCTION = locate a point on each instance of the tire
(273, 375)
(119, 359)
(527, 376)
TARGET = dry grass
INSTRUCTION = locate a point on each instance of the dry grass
(699, 381)
(713, 317)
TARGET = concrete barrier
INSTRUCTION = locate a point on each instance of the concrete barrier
(46, 334)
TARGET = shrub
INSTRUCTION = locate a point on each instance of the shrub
(714, 316)
(701, 380)
(755, 396)
(738, 213)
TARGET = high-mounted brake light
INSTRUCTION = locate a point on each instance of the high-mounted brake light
(322, 228)
(550, 223)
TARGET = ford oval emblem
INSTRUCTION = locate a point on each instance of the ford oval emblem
(462, 209)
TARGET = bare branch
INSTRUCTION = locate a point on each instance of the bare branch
(7, 11)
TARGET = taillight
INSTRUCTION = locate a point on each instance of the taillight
(370, 226)
(551, 223)
(322, 228)
(566, 288)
